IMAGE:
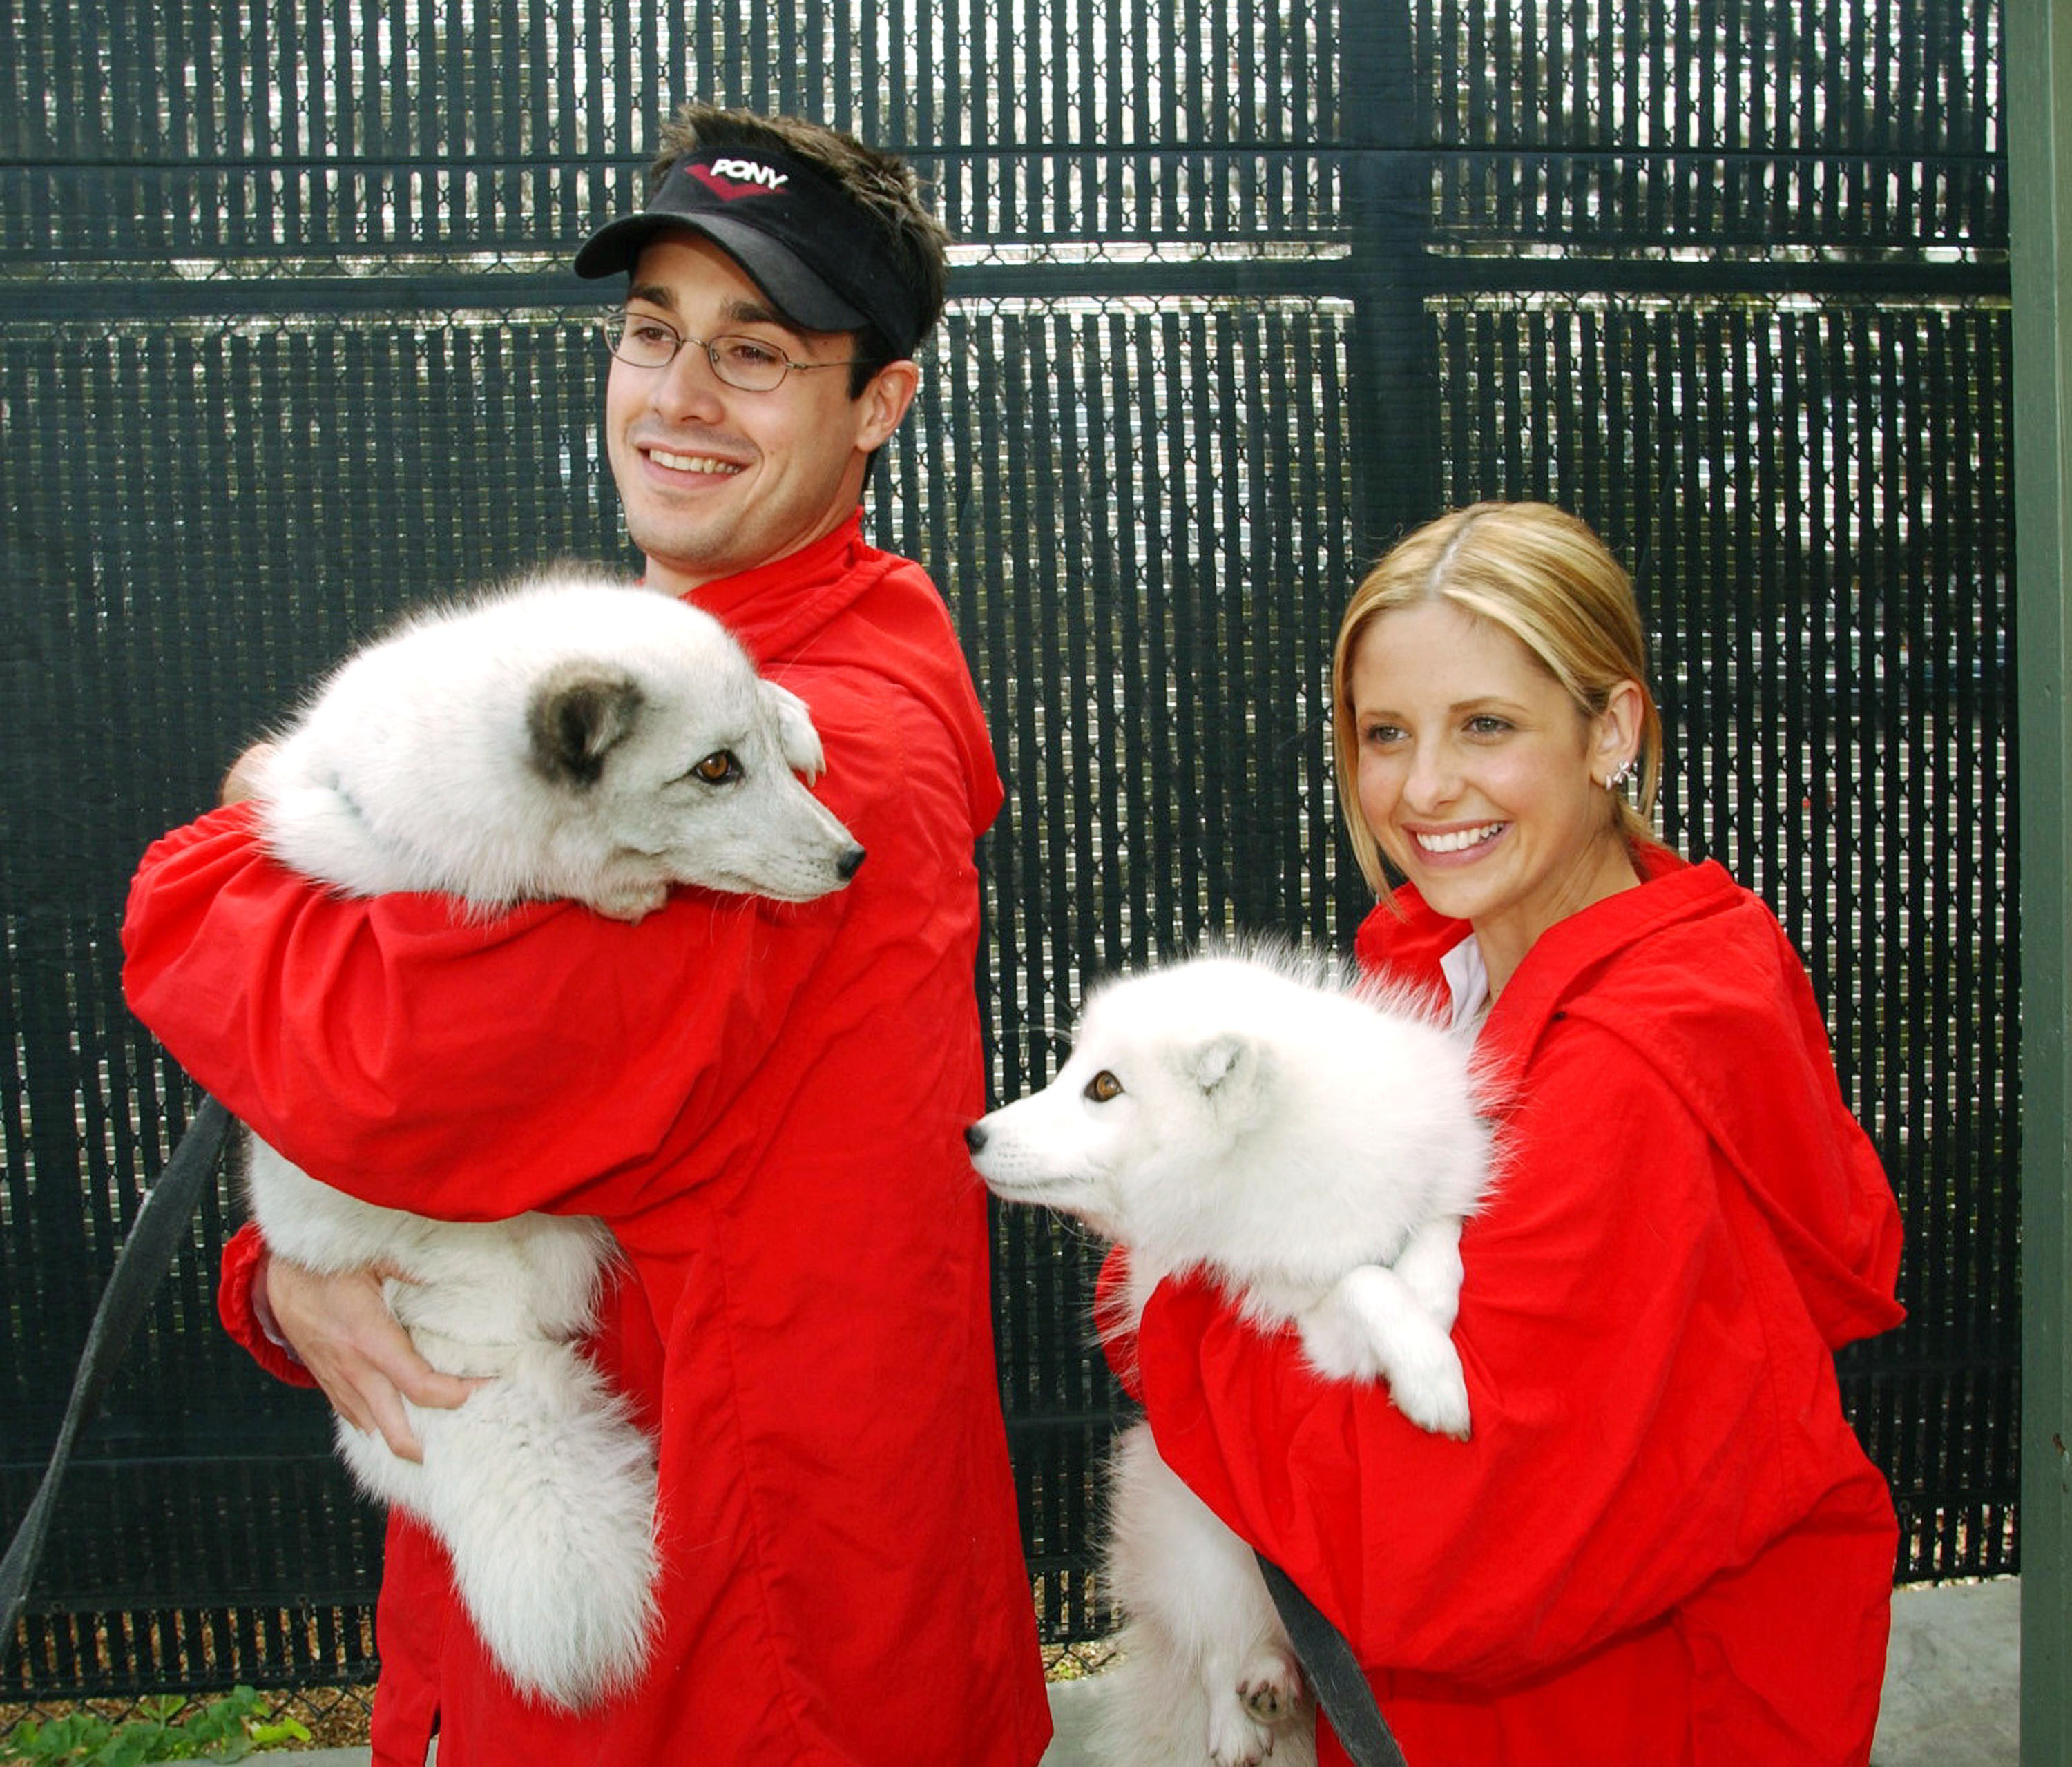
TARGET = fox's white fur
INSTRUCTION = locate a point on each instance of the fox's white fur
(568, 737)
(1315, 1150)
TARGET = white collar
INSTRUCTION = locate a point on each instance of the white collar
(1467, 979)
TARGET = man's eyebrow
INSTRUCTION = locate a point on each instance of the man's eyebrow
(741, 311)
(654, 294)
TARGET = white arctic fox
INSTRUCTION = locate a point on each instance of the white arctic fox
(567, 738)
(1315, 1150)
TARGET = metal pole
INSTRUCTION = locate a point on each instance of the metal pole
(2039, 87)
(1387, 170)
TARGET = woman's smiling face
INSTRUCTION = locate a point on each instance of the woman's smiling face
(1482, 778)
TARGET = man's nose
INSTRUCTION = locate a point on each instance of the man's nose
(688, 380)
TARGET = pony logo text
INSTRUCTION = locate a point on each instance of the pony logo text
(729, 178)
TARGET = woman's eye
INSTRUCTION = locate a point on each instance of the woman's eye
(1103, 1086)
(1488, 724)
(1380, 734)
(717, 767)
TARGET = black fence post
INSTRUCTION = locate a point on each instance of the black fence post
(1397, 478)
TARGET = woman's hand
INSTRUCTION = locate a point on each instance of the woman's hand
(341, 1330)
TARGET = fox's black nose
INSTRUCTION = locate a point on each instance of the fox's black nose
(850, 863)
(975, 1137)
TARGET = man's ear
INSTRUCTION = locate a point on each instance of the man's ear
(882, 405)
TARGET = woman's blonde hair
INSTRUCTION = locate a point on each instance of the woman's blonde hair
(1542, 576)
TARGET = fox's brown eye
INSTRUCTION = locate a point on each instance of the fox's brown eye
(1103, 1086)
(717, 767)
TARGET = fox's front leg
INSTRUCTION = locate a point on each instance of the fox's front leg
(1430, 1266)
(1372, 1326)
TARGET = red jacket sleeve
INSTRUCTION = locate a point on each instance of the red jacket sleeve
(243, 1257)
(622, 1341)
(1117, 1329)
(1628, 1413)
(401, 1051)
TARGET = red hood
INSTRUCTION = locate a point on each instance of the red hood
(1686, 970)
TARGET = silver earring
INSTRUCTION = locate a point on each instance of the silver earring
(1615, 781)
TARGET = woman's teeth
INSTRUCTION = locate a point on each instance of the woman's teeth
(1461, 839)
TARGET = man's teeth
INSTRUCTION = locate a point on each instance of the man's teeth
(1460, 839)
(689, 462)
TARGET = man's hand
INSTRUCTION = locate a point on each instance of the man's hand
(341, 1329)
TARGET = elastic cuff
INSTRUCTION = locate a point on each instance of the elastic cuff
(240, 1303)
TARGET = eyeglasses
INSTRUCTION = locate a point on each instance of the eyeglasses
(642, 341)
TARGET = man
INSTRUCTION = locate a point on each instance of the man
(766, 1103)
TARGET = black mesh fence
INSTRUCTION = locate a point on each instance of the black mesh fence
(287, 342)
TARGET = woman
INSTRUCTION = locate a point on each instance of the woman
(1663, 1543)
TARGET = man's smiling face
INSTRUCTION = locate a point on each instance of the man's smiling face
(715, 480)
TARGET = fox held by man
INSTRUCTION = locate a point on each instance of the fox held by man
(1313, 1149)
(567, 738)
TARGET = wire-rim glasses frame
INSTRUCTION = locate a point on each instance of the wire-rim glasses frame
(750, 364)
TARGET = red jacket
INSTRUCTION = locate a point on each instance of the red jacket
(1664, 1544)
(767, 1103)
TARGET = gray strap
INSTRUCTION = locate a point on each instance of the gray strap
(1335, 1676)
(159, 1230)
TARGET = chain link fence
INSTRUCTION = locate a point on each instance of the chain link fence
(288, 342)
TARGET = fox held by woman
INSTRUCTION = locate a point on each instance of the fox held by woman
(1313, 1149)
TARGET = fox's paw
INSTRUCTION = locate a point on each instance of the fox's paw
(1244, 1720)
(630, 902)
(1433, 1392)
(1270, 1687)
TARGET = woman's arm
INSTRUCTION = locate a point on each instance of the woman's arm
(1626, 1395)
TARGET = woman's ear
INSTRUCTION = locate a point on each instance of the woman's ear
(1618, 730)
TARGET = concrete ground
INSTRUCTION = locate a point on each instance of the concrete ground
(1953, 1679)
(1952, 1686)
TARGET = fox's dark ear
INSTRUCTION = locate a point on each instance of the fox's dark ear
(578, 712)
